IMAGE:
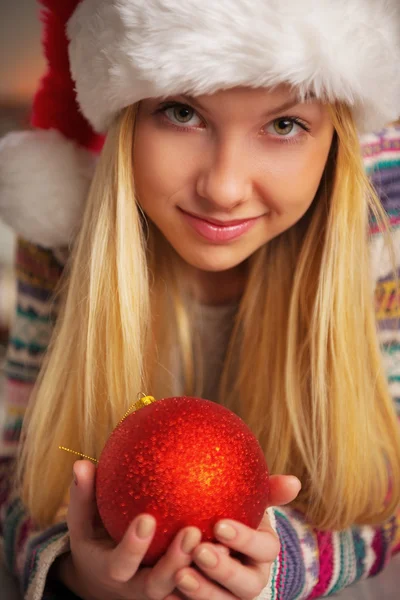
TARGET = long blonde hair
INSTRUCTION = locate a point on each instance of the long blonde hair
(303, 367)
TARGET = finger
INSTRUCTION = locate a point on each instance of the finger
(194, 585)
(221, 548)
(161, 582)
(261, 545)
(243, 581)
(125, 559)
(177, 595)
(283, 489)
(82, 504)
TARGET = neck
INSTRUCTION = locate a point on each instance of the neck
(220, 287)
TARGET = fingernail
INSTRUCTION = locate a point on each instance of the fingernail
(206, 558)
(145, 527)
(295, 480)
(225, 531)
(188, 583)
(190, 540)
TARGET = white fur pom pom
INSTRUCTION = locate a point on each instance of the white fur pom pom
(44, 181)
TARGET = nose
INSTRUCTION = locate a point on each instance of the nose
(224, 181)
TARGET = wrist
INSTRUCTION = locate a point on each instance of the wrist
(63, 570)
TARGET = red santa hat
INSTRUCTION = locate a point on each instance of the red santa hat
(104, 55)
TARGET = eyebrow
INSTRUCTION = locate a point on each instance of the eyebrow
(292, 103)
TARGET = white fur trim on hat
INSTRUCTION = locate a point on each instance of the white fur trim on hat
(122, 51)
(44, 180)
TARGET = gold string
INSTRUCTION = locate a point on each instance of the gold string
(144, 401)
(78, 453)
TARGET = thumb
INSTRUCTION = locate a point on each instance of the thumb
(82, 505)
(283, 489)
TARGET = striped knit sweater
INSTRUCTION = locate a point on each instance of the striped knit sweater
(311, 563)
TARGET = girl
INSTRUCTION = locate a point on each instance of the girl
(221, 251)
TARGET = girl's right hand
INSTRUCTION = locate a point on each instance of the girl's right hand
(97, 569)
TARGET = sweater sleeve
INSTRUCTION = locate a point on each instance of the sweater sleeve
(27, 551)
(382, 159)
(311, 563)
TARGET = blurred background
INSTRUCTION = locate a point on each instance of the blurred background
(21, 66)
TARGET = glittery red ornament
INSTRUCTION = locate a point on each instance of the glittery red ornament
(186, 461)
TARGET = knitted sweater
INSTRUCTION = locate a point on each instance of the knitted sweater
(311, 563)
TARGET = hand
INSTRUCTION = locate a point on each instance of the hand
(226, 577)
(97, 569)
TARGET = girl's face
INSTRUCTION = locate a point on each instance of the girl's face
(221, 175)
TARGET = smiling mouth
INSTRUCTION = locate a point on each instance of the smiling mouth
(218, 223)
(216, 231)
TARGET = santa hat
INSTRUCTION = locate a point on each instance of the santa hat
(104, 55)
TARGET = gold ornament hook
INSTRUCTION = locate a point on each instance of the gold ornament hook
(142, 401)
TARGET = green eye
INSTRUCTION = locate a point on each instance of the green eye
(283, 126)
(183, 114)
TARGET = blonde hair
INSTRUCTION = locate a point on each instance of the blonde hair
(315, 395)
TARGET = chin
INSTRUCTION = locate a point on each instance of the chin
(214, 261)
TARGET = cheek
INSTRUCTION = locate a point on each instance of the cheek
(293, 178)
(161, 166)
(150, 166)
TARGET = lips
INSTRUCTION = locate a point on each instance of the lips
(219, 231)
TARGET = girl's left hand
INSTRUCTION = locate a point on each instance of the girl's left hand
(225, 577)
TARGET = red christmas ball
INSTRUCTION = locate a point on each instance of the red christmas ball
(186, 461)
